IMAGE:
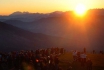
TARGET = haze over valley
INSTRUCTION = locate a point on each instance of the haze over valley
(64, 27)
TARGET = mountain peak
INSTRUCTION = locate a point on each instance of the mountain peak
(18, 13)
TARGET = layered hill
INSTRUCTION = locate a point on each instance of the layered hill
(14, 38)
(80, 32)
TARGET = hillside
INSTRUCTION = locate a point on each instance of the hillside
(13, 38)
(80, 32)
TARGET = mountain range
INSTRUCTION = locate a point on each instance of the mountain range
(62, 29)
(13, 38)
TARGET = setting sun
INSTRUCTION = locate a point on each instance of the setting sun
(80, 9)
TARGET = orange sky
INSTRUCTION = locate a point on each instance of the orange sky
(45, 6)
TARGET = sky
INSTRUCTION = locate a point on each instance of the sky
(45, 6)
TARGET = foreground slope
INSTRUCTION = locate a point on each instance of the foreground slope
(97, 60)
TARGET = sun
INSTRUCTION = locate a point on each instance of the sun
(80, 9)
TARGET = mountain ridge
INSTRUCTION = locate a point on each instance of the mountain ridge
(13, 38)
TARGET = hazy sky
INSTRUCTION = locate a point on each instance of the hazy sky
(45, 6)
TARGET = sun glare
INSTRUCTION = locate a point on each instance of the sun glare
(80, 10)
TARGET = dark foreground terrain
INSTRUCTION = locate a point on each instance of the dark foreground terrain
(28, 60)
(97, 62)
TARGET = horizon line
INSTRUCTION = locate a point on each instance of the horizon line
(48, 12)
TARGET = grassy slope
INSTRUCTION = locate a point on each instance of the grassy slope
(97, 59)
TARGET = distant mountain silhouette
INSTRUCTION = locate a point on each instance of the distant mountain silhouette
(50, 25)
(30, 17)
(13, 38)
(16, 13)
(19, 13)
(17, 23)
(24, 16)
(87, 32)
